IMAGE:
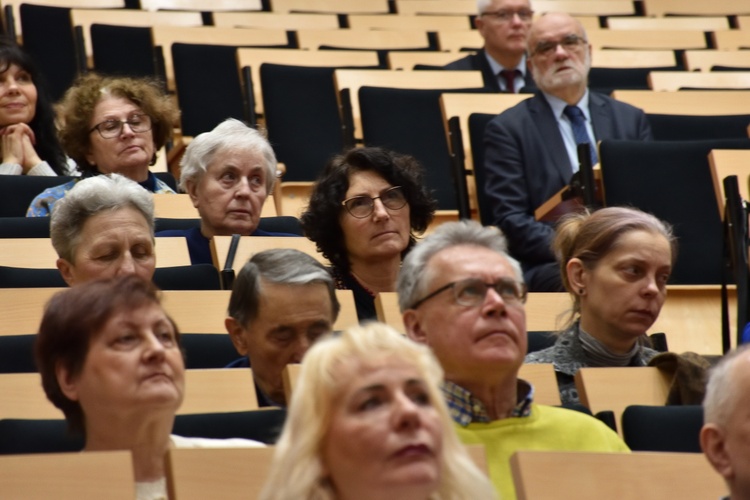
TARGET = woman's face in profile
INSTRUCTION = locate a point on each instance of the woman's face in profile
(624, 292)
(134, 363)
(385, 434)
(18, 96)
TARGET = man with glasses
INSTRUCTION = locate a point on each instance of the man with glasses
(461, 294)
(531, 148)
(504, 25)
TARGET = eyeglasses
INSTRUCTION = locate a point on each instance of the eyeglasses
(362, 206)
(471, 292)
(506, 16)
(571, 43)
(110, 129)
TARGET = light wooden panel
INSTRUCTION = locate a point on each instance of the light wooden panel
(68, 476)
(22, 396)
(38, 253)
(632, 58)
(354, 79)
(675, 80)
(388, 312)
(218, 390)
(669, 23)
(407, 60)
(179, 206)
(206, 391)
(250, 245)
(200, 473)
(688, 102)
(691, 318)
(616, 388)
(547, 311)
(274, 20)
(332, 6)
(726, 162)
(348, 313)
(703, 60)
(459, 40)
(202, 5)
(696, 8)
(551, 475)
(732, 39)
(646, 39)
(194, 311)
(296, 57)
(412, 7)
(542, 377)
(363, 39)
(586, 7)
(743, 22)
(295, 197)
(409, 22)
(197, 311)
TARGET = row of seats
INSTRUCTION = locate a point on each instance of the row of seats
(241, 472)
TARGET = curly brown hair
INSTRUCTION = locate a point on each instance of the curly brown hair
(320, 221)
(77, 107)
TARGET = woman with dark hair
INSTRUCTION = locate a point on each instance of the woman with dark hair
(112, 125)
(615, 263)
(110, 359)
(364, 212)
(28, 137)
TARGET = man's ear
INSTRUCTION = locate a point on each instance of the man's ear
(713, 443)
(66, 270)
(192, 190)
(68, 384)
(413, 326)
(237, 334)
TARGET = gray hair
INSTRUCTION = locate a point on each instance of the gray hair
(283, 266)
(721, 390)
(89, 197)
(481, 5)
(229, 134)
(412, 278)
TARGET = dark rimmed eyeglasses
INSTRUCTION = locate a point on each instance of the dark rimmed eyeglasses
(471, 292)
(571, 43)
(110, 129)
(505, 16)
(362, 206)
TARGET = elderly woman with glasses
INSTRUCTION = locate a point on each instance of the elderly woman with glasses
(364, 212)
(112, 125)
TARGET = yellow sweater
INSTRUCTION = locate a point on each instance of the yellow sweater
(547, 428)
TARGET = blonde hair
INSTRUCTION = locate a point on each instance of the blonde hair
(297, 471)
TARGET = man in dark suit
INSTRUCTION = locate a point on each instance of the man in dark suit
(504, 25)
(530, 149)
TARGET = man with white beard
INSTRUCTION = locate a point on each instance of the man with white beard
(531, 148)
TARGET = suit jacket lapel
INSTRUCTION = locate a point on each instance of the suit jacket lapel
(490, 79)
(601, 117)
(549, 131)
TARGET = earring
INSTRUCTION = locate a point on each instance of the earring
(581, 291)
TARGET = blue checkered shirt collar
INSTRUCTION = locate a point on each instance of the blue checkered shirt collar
(465, 408)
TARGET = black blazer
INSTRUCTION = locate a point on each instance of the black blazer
(526, 162)
(478, 62)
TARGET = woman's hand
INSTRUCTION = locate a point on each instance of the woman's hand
(18, 146)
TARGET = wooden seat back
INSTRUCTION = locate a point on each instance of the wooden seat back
(68, 476)
(548, 475)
